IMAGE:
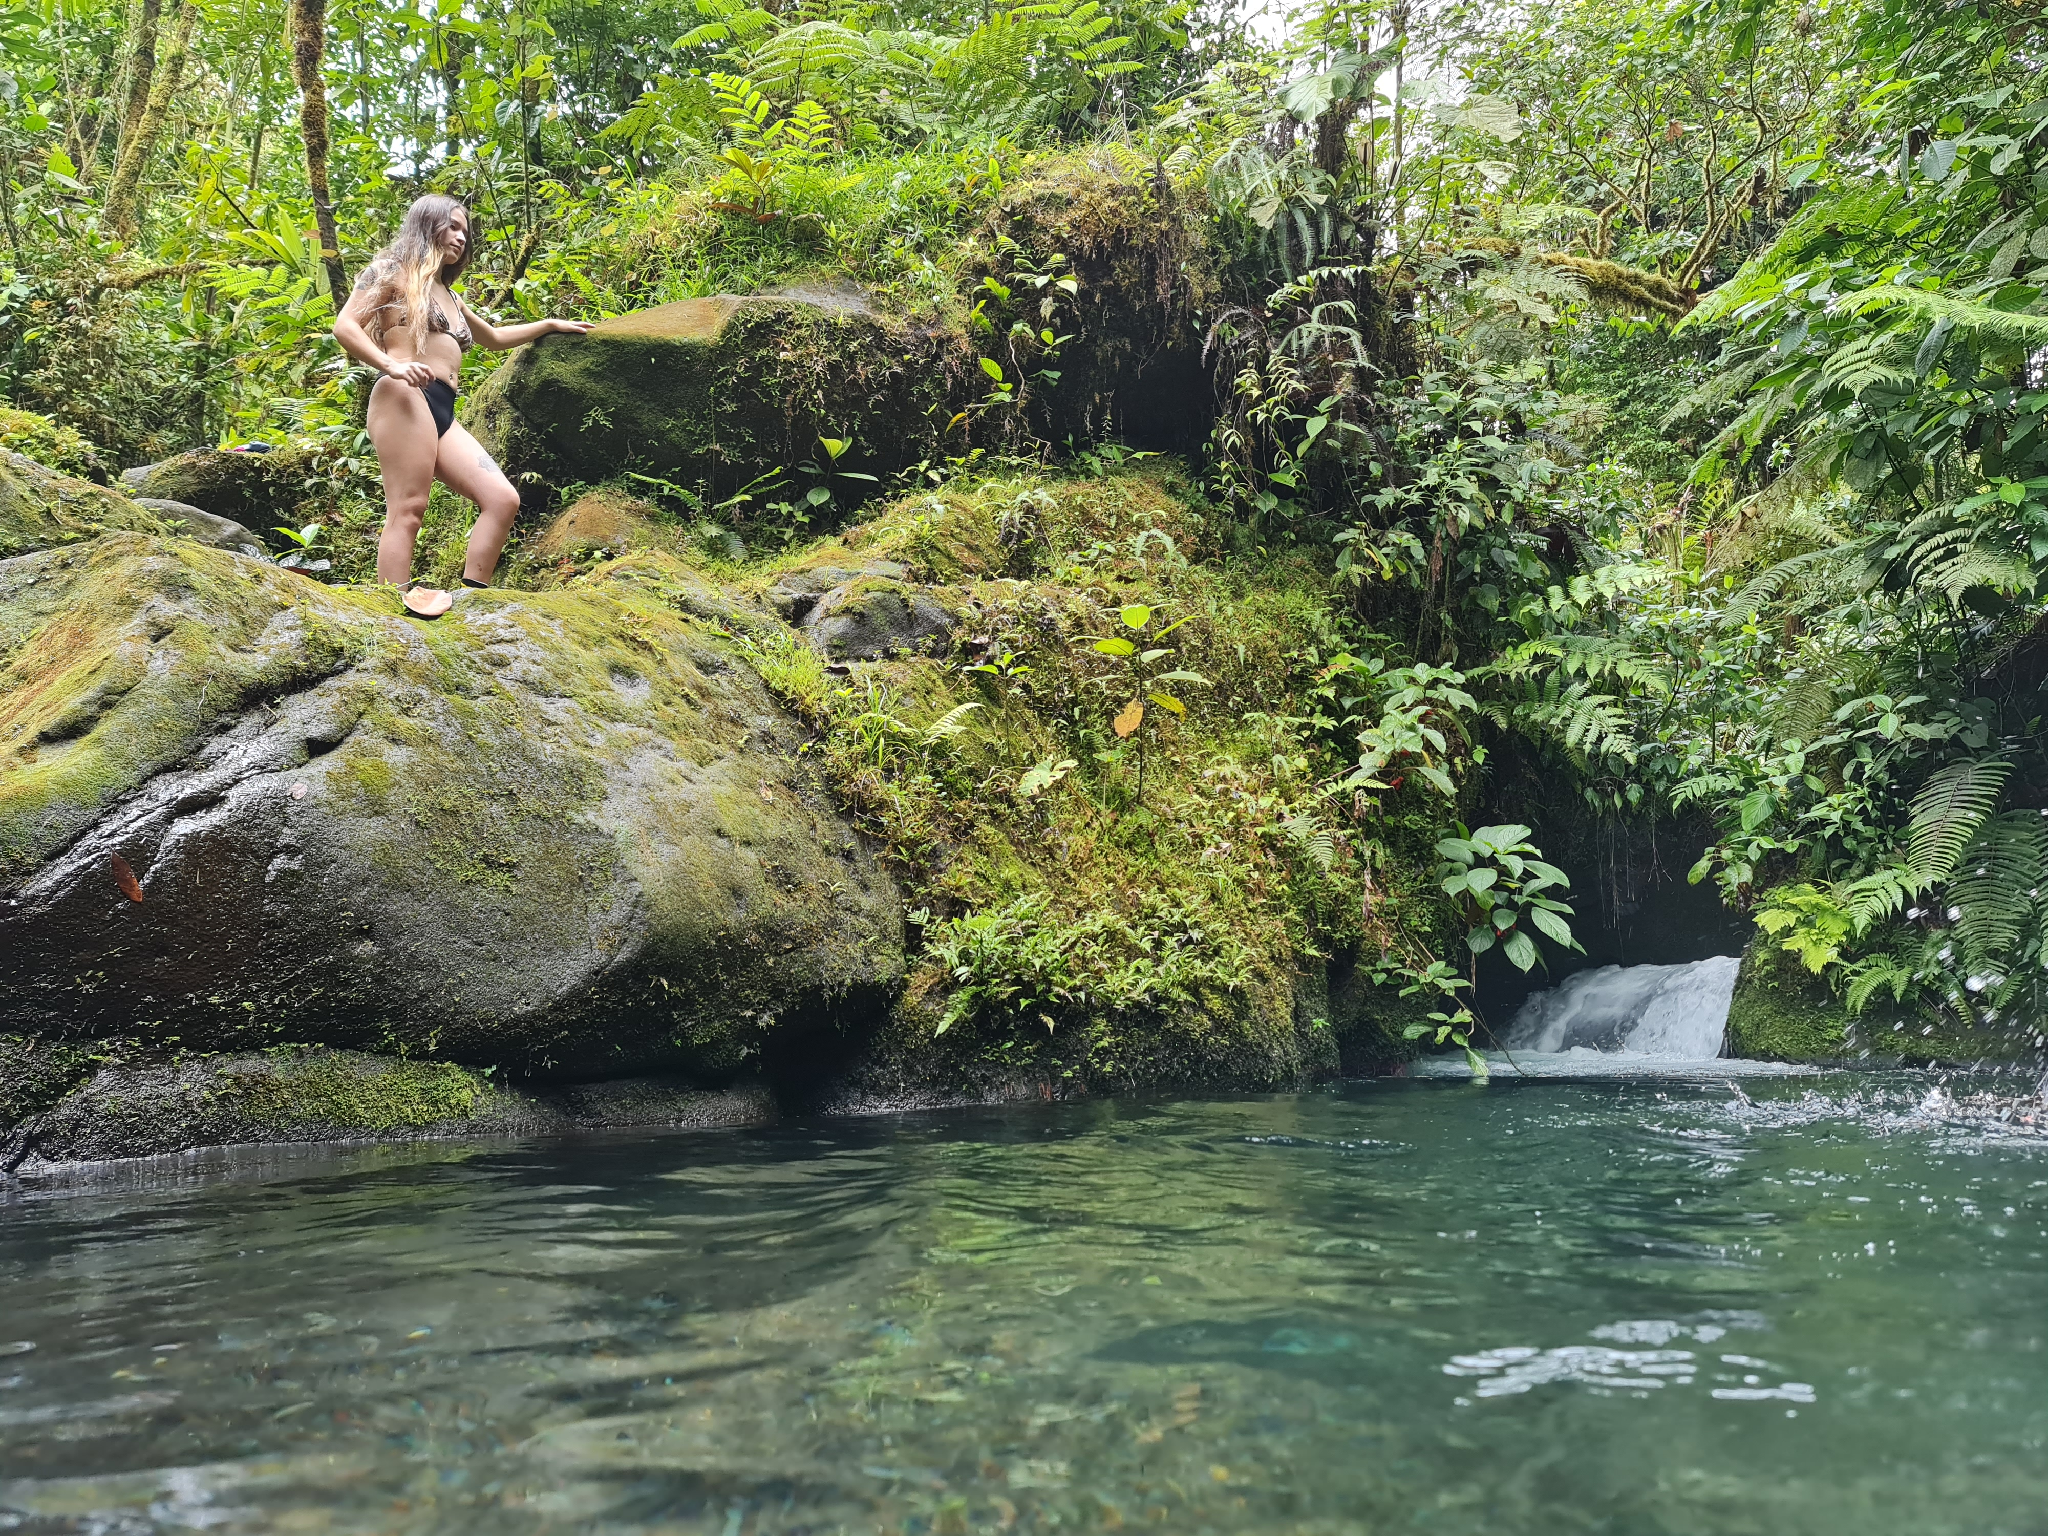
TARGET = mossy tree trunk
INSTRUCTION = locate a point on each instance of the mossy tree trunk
(124, 192)
(309, 50)
(141, 70)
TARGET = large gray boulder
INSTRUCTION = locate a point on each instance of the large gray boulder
(565, 832)
(220, 532)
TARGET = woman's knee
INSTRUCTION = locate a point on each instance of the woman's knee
(499, 502)
(405, 513)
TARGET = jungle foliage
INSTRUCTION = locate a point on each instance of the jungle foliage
(1654, 389)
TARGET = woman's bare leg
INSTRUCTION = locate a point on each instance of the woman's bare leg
(467, 470)
(402, 431)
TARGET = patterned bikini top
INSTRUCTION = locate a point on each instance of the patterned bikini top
(437, 321)
(379, 275)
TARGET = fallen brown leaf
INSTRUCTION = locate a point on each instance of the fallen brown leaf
(125, 878)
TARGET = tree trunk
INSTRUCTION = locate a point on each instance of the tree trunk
(141, 72)
(309, 46)
(454, 52)
(124, 192)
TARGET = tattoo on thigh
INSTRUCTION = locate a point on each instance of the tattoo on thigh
(484, 460)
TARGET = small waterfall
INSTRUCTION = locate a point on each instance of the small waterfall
(1671, 1011)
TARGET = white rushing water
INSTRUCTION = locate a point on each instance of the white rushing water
(1668, 1011)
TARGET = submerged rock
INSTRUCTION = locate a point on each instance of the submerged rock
(565, 831)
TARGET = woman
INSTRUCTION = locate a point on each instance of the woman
(405, 320)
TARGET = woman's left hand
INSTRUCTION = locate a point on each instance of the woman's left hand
(570, 327)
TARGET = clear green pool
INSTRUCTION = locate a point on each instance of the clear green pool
(1405, 1306)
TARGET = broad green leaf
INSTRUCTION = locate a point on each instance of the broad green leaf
(1520, 950)
(1114, 646)
(1552, 927)
(1758, 806)
(1135, 616)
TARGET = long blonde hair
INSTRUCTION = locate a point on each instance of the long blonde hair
(400, 278)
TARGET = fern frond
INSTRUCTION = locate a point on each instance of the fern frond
(1997, 883)
(1949, 809)
(1706, 785)
(1869, 977)
(1314, 841)
(1965, 314)
(1978, 566)
(1760, 589)
(950, 724)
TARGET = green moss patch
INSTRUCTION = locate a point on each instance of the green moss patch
(1073, 929)
(41, 508)
(349, 1092)
(1780, 1012)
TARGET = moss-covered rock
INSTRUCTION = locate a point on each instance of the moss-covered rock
(1781, 1011)
(258, 490)
(42, 509)
(220, 532)
(717, 392)
(565, 831)
(601, 522)
(1134, 371)
(871, 617)
(142, 1107)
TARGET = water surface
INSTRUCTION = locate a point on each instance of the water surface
(1796, 1307)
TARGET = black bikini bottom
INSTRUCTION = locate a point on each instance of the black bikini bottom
(441, 401)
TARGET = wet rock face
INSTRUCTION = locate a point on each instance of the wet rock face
(567, 832)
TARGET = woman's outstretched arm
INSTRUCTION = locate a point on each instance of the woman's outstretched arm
(356, 342)
(502, 338)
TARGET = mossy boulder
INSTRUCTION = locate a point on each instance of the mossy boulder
(220, 532)
(568, 832)
(129, 1105)
(716, 392)
(1781, 1011)
(602, 522)
(257, 490)
(871, 617)
(1134, 371)
(42, 509)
